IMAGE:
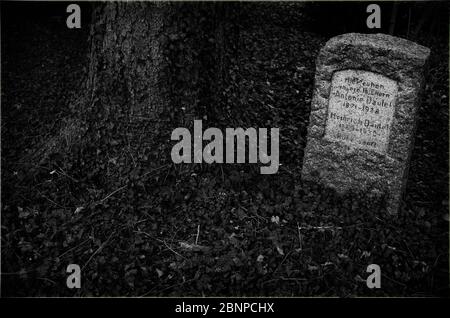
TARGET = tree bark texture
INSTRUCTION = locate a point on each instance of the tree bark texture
(153, 67)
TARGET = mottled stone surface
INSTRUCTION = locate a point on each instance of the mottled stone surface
(363, 114)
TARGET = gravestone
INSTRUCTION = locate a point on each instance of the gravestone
(363, 115)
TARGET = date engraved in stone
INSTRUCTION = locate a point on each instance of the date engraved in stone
(361, 109)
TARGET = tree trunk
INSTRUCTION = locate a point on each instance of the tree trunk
(393, 18)
(426, 14)
(153, 67)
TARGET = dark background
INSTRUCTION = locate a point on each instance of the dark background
(43, 67)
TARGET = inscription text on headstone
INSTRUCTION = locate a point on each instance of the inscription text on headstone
(361, 109)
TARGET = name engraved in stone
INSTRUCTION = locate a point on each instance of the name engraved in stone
(361, 109)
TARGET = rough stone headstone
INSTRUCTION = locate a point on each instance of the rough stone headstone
(363, 114)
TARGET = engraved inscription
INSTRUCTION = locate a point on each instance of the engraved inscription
(360, 110)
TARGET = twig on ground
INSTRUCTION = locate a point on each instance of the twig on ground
(47, 279)
(287, 170)
(167, 174)
(98, 250)
(62, 172)
(169, 287)
(330, 227)
(299, 237)
(198, 233)
(156, 169)
(50, 200)
(159, 240)
(70, 249)
(112, 193)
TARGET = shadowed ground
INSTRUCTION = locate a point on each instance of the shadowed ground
(208, 230)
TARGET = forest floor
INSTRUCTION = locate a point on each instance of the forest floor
(220, 230)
